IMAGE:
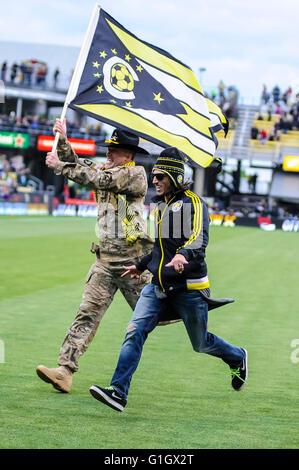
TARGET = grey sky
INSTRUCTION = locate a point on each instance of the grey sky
(243, 43)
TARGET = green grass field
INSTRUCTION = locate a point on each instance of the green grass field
(179, 399)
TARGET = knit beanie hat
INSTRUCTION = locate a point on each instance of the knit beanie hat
(171, 162)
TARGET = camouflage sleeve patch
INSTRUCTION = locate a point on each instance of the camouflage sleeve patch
(86, 162)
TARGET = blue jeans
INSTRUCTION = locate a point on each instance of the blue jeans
(193, 310)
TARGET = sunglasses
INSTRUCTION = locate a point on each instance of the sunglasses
(159, 176)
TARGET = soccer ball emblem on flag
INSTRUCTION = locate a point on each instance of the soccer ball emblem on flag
(121, 78)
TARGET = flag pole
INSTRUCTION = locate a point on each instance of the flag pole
(75, 80)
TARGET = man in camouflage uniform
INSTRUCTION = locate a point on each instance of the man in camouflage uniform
(120, 188)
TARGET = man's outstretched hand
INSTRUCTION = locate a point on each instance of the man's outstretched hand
(133, 272)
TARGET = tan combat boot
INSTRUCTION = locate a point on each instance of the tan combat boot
(60, 377)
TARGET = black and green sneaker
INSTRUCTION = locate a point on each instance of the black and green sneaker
(240, 374)
(109, 396)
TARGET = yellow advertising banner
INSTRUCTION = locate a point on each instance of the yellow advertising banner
(290, 163)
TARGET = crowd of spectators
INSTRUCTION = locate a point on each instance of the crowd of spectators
(13, 176)
(16, 177)
(261, 208)
(281, 108)
(38, 125)
(32, 73)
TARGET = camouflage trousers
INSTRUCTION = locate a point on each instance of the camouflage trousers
(102, 282)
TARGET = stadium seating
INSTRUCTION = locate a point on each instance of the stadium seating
(291, 139)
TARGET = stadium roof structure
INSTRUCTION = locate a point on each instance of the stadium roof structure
(34, 94)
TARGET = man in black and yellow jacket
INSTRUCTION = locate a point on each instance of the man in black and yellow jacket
(177, 260)
(180, 284)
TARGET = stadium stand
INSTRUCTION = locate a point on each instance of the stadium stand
(277, 118)
(258, 139)
(29, 73)
(36, 125)
(262, 137)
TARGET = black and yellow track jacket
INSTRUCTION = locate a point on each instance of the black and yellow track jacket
(182, 226)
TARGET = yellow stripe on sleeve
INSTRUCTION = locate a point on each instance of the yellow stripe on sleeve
(197, 219)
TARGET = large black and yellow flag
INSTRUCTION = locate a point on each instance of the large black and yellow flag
(128, 83)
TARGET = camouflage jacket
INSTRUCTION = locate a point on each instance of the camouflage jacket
(120, 194)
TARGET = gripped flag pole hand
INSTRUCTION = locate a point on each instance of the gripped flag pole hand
(52, 159)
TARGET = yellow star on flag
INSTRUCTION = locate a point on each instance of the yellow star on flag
(128, 104)
(114, 51)
(127, 57)
(97, 75)
(96, 64)
(158, 97)
(103, 54)
(139, 68)
(100, 89)
(113, 101)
